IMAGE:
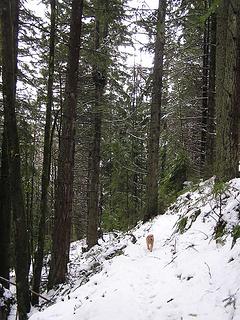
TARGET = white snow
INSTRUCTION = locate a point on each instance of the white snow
(187, 276)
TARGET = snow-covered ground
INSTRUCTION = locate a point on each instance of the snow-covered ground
(189, 275)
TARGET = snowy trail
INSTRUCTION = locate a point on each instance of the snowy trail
(187, 276)
(155, 272)
(176, 281)
(137, 281)
(130, 282)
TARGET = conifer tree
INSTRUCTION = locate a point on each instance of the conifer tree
(5, 213)
(227, 89)
(99, 78)
(9, 35)
(154, 133)
(38, 261)
(211, 130)
(64, 192)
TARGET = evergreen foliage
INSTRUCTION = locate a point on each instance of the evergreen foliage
(182, 224)
(172, 182)
(235, 234)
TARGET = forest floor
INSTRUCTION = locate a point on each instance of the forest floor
(188, 275)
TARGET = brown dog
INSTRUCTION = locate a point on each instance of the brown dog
(150, 241)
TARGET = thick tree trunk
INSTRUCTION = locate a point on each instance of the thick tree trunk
(39, 255)
(236, 97)
(99, 78)
(5, 214)
(154, 133)
(211, 129)
(9, 19)
(64, 192)
(94, 172)
(205, 93)
(227, 90)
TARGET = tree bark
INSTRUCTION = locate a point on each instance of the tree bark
(205, 93)
(99, 78)
(94, 172)
(39, 255)
(227, 90)
(9, 21)
(154, 133)
(211, 128)
(5, 214)
(64, 192)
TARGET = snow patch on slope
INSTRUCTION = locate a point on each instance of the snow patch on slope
(189, 275)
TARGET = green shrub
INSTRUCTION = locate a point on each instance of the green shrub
(220, 229)
(235, 234)
(219, 188)
(181, 226)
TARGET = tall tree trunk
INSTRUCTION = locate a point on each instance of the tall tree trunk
(38, 261)
(94, 172)
(99, 78)
(227, 89)
(64, 192)
(9, 20)
(154, 133)
(204, 93)
(5, 214)
(211, 130)
(236, 95)
(30, 205)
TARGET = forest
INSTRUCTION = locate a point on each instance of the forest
(91, 143)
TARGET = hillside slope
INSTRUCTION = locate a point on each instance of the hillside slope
(189, 274)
